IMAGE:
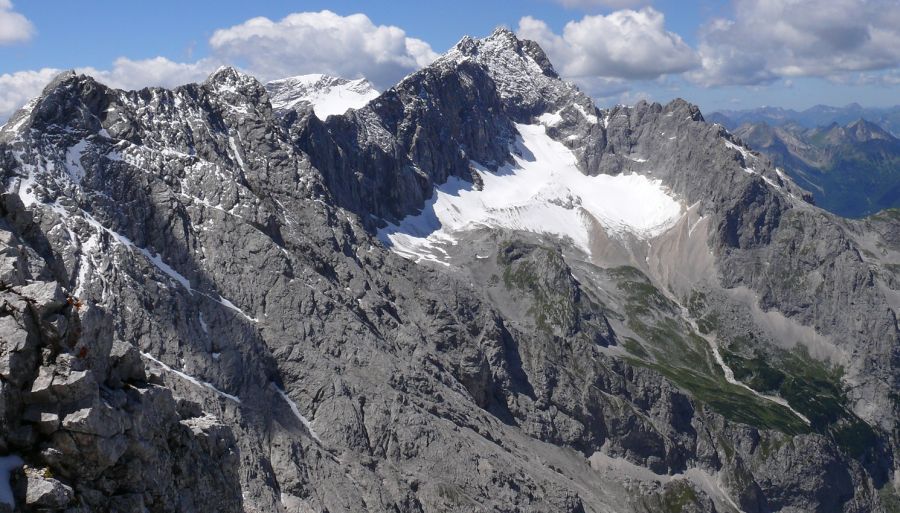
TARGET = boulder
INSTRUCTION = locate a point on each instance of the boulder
(45, 492)
(17, 358)
(99, 419)
(124, 365)
(47, 297)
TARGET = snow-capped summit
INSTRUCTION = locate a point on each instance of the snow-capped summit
(326, 94)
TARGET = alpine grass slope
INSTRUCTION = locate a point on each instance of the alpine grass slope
(476, 292)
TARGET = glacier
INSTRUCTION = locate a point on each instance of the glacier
(542, 192)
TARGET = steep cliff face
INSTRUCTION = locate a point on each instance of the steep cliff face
(91, 427)
(233, 257)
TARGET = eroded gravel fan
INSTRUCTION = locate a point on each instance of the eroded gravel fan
(199, 315)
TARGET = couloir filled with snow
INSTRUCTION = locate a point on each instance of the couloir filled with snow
(543, 192)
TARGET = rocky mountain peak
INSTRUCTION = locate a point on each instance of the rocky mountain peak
(863, 130)
(501, 36)
(858, 131)
(70, 100)
(229, 75)
(229, 80)
(502, 49)
(523, 75)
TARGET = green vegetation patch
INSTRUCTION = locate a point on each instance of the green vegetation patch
(809, 386)
(558, 305)
(889, 498)
(734, 402)
(686, 359)
(887, 215)
(553, 305)
(634, 347)
(678, 496)
(642, 298)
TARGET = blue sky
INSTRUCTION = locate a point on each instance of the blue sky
(147, 29)
(719, 54)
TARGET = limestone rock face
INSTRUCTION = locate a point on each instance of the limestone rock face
(197, 313)
(88, 431)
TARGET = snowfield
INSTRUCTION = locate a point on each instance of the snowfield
(327, 95)
(543, 192)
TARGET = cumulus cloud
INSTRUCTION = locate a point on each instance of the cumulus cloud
(625, 44)
(14, 28)
(17, 88)
(322, 42)
(771, 39)
(886, 78)
(614, 4)
(158, 71)
(633, 97)
(603, 88)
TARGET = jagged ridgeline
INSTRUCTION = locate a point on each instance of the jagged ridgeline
(475, 292)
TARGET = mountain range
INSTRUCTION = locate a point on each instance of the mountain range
(851, 170)
(813, 117)
(475, 291)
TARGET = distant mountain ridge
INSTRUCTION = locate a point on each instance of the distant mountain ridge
(852, 170)
(816, 116)
(326, 95)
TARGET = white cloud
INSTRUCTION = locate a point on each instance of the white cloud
(589, 4)
(607, 89)
(17, 88)
(600, 52)
(14, 28)
(770, 39)
(625, 44)
(886, 78)
(633, 97)
(322, 42)
(158, 71)
(614, 4)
